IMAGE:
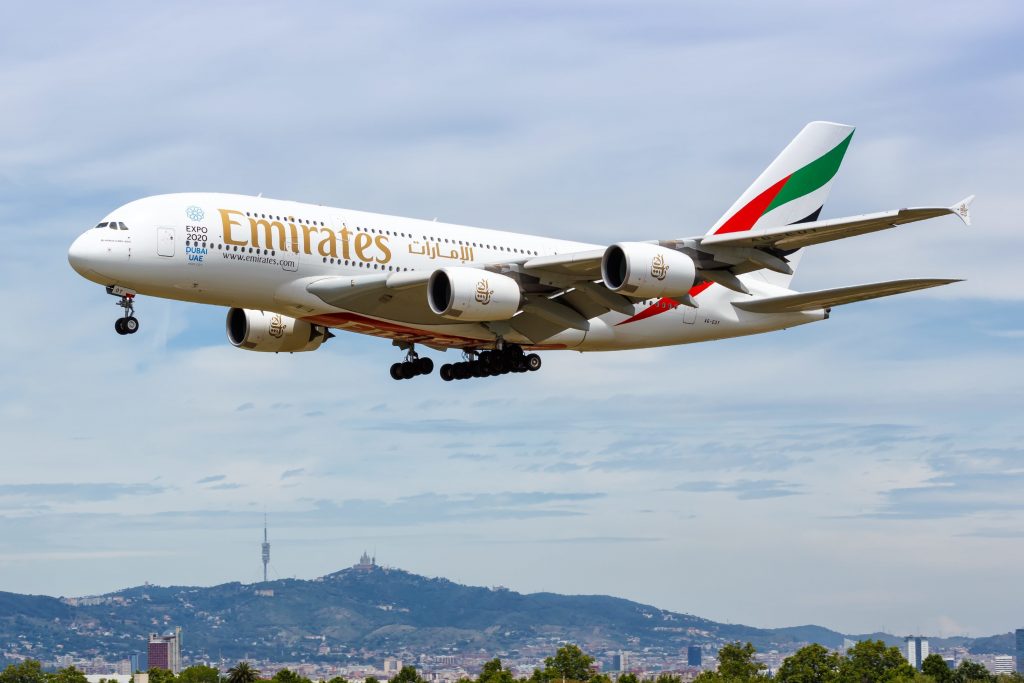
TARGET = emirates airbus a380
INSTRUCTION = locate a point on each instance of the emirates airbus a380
(290, 272)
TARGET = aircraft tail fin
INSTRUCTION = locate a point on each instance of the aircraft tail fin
(795, 186)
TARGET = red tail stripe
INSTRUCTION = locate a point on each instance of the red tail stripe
(745, 218)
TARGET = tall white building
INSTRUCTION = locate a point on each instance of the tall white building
(917, 650)
(1004, 664)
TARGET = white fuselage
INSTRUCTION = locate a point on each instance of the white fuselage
(258, 253)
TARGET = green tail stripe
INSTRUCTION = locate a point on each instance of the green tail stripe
(812, 176)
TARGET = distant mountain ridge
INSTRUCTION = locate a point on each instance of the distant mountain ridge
(372, 609)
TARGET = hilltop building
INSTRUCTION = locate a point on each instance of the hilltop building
(366, 564)
(693, 655)
(917, 650)
(164, 652)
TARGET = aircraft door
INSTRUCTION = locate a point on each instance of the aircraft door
(689, 314)
(165, 241)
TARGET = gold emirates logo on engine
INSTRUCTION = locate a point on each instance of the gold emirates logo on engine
(658, 267)
(277, 327)
(483, 292)
(298, 237)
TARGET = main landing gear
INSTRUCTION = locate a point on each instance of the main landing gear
(491, 363)
(128, 323)
(412, 366)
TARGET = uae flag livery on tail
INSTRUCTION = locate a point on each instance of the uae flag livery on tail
(795, 186)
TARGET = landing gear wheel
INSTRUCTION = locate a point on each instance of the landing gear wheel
(424, 366)
(119, 326)
(130, 325)
(396, 371)
(446, 373)
(408, 370)
(533, 362)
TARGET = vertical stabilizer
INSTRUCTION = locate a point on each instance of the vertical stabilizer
(795, 186)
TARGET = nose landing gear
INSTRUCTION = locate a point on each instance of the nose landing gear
(128, 323)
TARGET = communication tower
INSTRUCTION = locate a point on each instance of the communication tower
(266, 549)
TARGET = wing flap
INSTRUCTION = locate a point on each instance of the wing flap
(827, 298)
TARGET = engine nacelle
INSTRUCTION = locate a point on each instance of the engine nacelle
(265, 331)
(472, 294)
(647, 270)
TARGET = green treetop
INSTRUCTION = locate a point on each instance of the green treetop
(810, 664)
(872, 661)
(569, 663)
(240, 673)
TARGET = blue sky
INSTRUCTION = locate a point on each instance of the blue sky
(861, 473)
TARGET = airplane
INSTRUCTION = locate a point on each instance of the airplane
(290, 272)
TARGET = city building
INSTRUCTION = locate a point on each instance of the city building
(1003, 664)
(693, 655)
(917, 650)
(391, 665)
(1020, 650)
(164, 652)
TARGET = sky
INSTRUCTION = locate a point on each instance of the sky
(863, 473)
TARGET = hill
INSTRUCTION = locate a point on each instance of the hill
(361, 610)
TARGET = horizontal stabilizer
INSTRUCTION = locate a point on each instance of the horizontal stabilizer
(827, 298)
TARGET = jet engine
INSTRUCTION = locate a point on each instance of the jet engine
(265, 331)
(472, 294)
(647, 270)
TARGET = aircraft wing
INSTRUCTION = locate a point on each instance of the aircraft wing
(791, 237)
(827, 298)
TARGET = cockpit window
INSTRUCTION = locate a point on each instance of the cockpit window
(101, 225)
(113, 225)
(122, 225)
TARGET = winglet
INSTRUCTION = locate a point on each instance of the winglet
(963, 209)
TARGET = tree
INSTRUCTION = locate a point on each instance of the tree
(199, 673)
(338, 679)
(629, 678)
(240, 673)
(372, 679)
(29, 671)
(287, 676)
(935, 667)
(67, 675)
(809, 664)
(736, 662)
(493, 673)
(972, 671)
(600, 678)
(668, 678)
(570, 663)
(537, 676)
(158, 675)
(407, 675)
(871, 661)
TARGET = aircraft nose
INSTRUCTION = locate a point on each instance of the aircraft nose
(82, 253)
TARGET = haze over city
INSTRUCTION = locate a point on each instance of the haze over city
(863, 473)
